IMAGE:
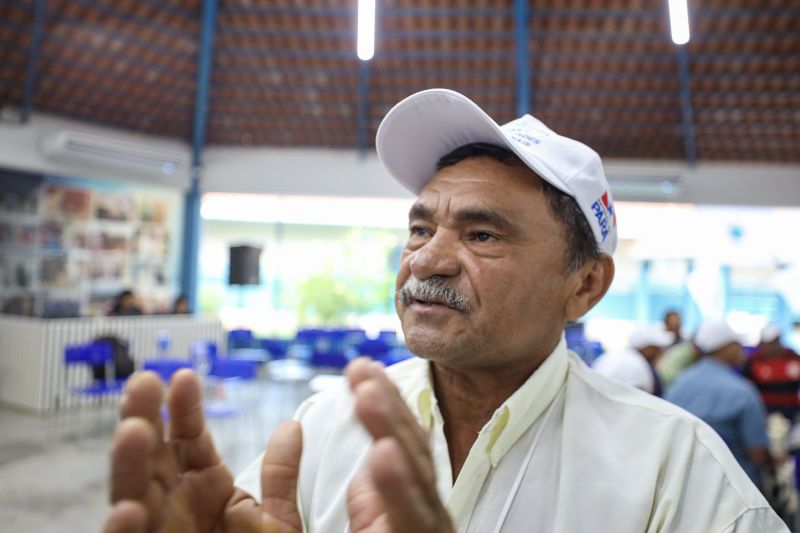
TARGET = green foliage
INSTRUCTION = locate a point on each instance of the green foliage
(355, 281)
(210, 298)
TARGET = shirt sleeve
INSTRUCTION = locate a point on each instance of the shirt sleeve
(753, 423)
(762, 520)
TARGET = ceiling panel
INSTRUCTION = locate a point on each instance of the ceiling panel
(285, 71)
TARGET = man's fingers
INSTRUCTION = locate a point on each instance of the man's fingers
(279, 470)
(126, 517)
(384, 413)
(187, 426)
(143, 396)
(132, 456)
(364, 504)
(407, 504)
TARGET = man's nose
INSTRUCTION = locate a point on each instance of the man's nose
(436, 258)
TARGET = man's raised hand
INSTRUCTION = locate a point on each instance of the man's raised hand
(178, 483)
(397, 492)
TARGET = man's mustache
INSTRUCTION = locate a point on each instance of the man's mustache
(433, 290)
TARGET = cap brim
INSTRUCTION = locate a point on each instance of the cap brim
(424, 127)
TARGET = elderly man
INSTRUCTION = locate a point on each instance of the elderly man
(726, 401)
(495, 426)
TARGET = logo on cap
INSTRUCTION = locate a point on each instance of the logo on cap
(603, 209)
(519, 134)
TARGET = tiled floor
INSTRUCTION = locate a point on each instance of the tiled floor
(53, 469)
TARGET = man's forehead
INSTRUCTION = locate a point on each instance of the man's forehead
(467, 208)
(500, 188)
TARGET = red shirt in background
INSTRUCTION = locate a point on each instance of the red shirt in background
(778, 379)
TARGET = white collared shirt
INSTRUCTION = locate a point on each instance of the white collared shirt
(569, 451)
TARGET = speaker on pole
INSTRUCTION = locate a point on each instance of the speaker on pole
(243, 263)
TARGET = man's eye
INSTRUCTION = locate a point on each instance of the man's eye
(418, 231)
(483, 236)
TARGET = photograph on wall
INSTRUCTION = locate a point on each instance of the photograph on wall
(114, 206)
(51, 235)
(151, 241)
(78, 238)
(18, 234)
(108, 274)
(110, 241)
(59, 271)
(19, 304)
(149, 274)
(66, 202)
(16, 271)
(153, 209)
(19, 192)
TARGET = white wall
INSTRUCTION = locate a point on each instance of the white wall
(309, 171)
(301, 171)
(344, 173)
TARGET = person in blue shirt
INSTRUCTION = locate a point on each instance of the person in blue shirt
(712, 391)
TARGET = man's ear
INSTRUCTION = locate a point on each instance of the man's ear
(593, 280)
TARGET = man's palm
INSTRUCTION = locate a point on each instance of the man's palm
(179, 484)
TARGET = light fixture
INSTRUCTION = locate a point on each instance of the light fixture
(679, 21)
(365, 46)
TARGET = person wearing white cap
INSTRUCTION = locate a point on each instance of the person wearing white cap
(775, 370)
(730, 404)
(495, 426)
(634, 365)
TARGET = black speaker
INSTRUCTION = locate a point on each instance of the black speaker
(244, 265)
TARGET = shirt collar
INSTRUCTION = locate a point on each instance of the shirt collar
(515, 415)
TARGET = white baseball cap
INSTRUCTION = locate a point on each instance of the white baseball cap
(651, 336)
(770, 333)
(713, 335)
(427, 125)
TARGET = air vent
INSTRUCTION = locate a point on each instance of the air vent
(99, 150)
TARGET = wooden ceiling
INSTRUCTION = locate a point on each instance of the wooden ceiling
(285, 72)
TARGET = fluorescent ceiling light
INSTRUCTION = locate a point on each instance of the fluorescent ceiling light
(366, 29)
(679, 21)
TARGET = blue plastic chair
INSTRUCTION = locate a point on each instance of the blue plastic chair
(240, 338)
(93, 354)
(374, 348)
(388, 336)
(333, 360)
(276, 348)
(234, 369)
(165, 368)
(396, 356)
(80, 361)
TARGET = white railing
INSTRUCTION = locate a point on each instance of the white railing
(32, 371)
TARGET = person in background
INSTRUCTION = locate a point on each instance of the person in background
(775, 370)
(672, 323)
(125, 305)
(711, 390)
(181, 305)
(634, 365)
(675, 360)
